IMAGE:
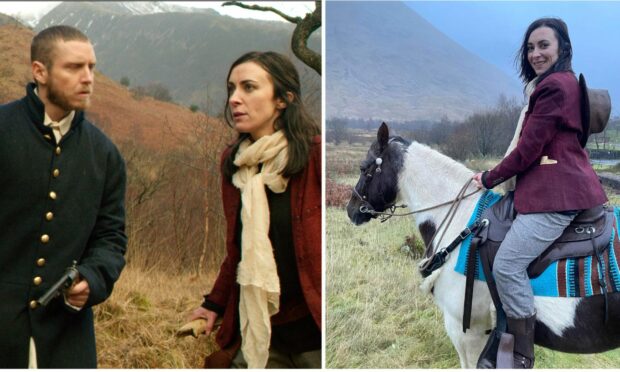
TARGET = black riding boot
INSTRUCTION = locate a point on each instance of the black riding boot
(523, 332)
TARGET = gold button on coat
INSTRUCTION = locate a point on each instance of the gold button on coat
(33, 304)
(58, 151)
(41, 262)
(45, 238)
(56, 173)
(37, 280)
(49, 216)
(52, 195)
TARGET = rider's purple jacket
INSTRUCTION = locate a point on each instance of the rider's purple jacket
(553, 170)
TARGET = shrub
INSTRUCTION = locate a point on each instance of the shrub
(337, 195)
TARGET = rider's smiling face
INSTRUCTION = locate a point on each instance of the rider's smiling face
(542, 49)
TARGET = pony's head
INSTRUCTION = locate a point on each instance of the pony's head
(377, 187)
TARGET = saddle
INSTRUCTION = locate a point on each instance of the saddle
(591, 226)
(587, 235)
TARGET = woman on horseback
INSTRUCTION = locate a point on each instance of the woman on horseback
(554, 178)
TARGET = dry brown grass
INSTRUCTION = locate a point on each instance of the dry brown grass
(135, 327)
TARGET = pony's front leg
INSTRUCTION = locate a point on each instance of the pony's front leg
(468, 345)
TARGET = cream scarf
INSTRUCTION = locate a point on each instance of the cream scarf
(529, 89)
(257, 273)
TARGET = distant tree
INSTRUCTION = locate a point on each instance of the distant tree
(484, 133)
(614, 123)
(600, 139)
(337, 130)
(160, 92)
(156, 90)
(439, 132)
(305, 27)
(193, 108)
(507, 114)
(458, 145)
(125, 81)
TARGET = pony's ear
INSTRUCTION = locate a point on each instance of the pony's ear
(383, 135)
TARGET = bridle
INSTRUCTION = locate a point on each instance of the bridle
(367, 208)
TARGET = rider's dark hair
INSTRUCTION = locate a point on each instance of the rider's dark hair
(565, 51)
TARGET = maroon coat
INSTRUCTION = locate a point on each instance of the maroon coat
(305, 189)
(553, 170)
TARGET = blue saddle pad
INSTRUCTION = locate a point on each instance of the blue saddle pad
(572, 277)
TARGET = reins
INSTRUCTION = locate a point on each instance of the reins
(364, 207)
(455, 204)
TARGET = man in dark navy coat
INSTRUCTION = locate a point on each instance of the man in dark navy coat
(62, 190)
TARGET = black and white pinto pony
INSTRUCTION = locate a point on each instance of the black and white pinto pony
(422, 177)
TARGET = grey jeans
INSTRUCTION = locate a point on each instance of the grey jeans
(528, 237)
(277, 359)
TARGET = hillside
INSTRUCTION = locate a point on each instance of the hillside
(384, 61)
(173, 209)
(190, 53)
(146, 121)
(6, 19)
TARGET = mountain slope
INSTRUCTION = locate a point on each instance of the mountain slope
(188, 52)
(7, 19)
(385, 61)
(146, 121)
(32, 16)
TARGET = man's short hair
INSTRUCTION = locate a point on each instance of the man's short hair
(42, 47)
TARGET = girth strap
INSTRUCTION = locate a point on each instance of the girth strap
(601, 272)
(470, 274)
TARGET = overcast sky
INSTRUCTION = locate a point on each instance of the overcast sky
(494, 31)
(292, 8)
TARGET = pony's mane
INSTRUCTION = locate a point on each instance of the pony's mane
(441, 163)
(400, 140)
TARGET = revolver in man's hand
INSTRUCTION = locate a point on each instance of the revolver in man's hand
(64, 283)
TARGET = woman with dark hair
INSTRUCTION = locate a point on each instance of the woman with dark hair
(268, 291)
(554, 178)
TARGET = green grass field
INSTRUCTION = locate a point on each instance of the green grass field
(376, 315)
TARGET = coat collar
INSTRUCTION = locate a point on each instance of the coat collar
(36, 111)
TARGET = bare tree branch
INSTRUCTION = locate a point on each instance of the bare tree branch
(295, 20)
(305, 27)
